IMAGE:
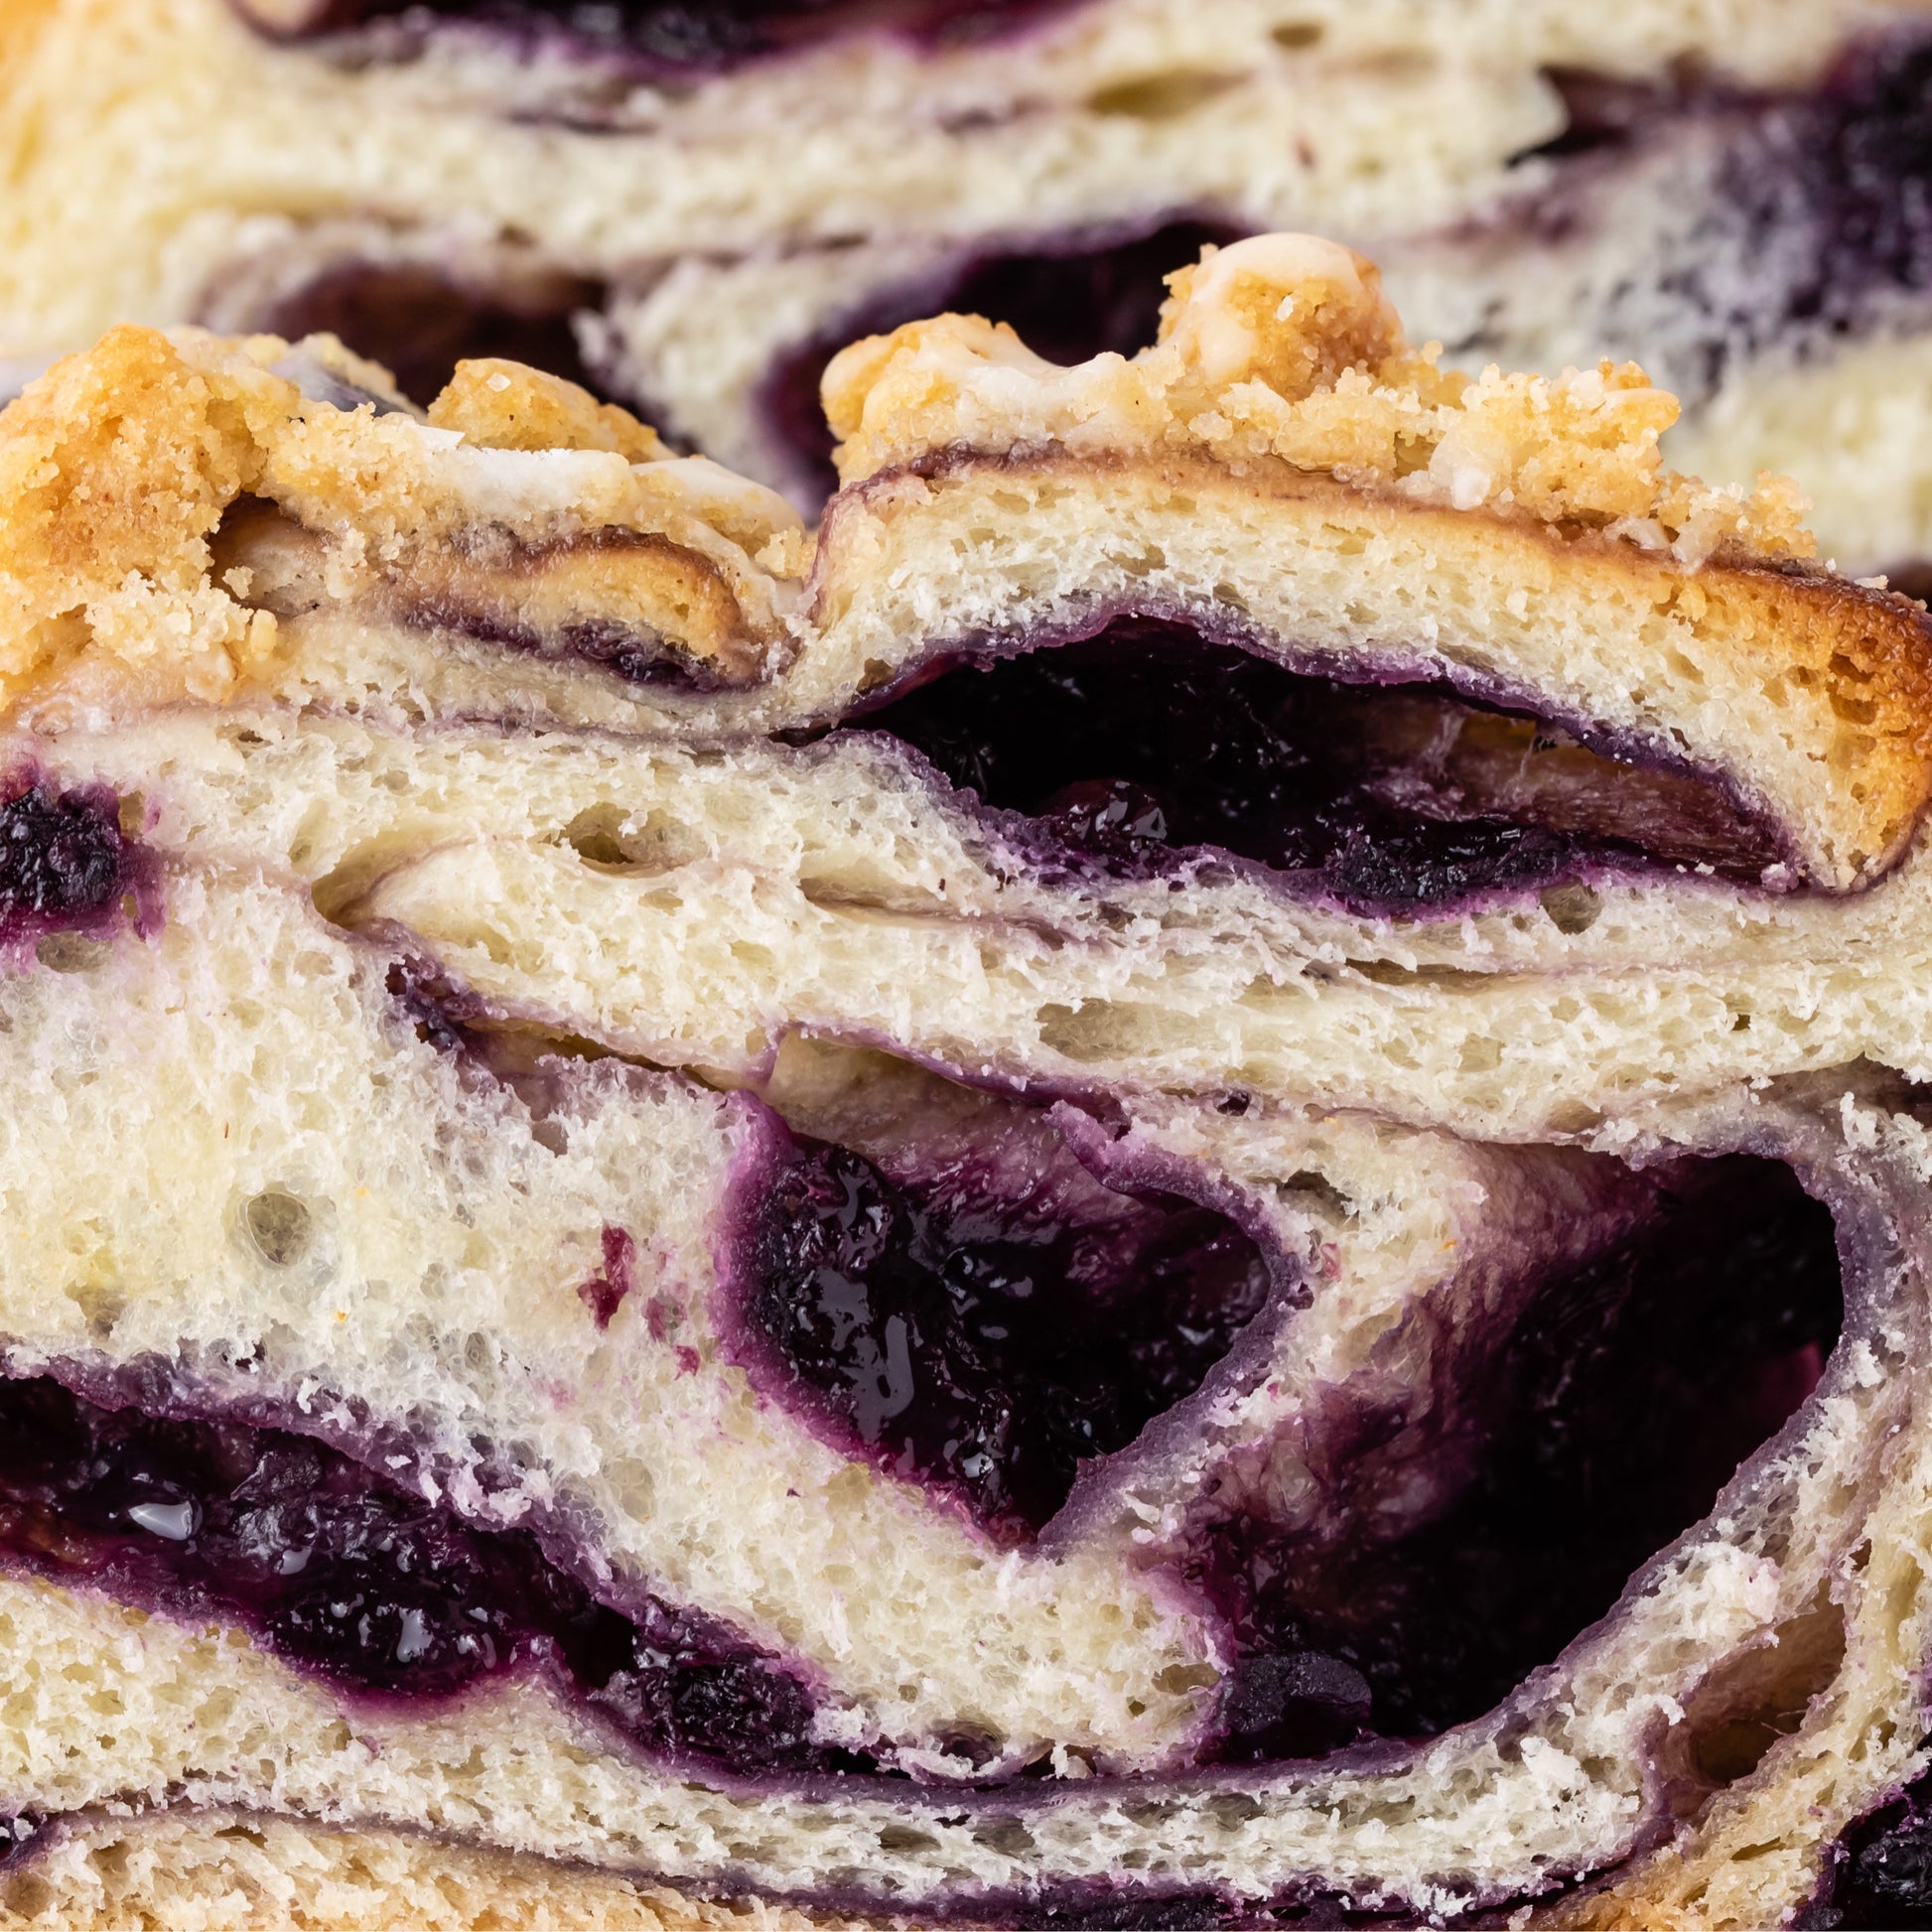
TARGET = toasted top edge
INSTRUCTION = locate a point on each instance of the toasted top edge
(120, 465)
(1283, 350)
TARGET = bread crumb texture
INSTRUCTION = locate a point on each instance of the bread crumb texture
(208, 1871)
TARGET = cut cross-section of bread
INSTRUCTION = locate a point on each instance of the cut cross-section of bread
(696, 906)
(971, 1221)
(413, 1425)
(1277, 506)
(695, 207)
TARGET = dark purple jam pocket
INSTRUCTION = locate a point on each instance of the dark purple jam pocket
(1625, 1398)
(675, 38)
(1130, 750)
(349, 1575)
(1880, 1879)
(978, 1337)
(64, 863)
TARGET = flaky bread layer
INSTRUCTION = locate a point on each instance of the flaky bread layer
(157, 147)
(1811, 697)
(695, 907)
(234, 1872)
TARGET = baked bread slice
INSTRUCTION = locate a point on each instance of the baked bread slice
(607, 1269)
(695, 207)
(417, 1429)
(1375, 859)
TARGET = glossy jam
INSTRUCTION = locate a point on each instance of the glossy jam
(1881, 1877)
(362, 1578)
(1624, 1399)
(1148, 739)
(985, 1339)
(64, 861)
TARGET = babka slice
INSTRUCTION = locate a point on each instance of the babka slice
(694, 207)
(644, 1250)
(1164, 723)
(889, 1496)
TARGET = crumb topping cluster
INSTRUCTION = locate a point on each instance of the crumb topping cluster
(1284, 348)
(118, 466)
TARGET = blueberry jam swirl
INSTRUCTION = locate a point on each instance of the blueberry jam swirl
(1129, 751)
(673, 37)
(982, 1340)
(1625, 1397)
(373, 1587)
(65, 862)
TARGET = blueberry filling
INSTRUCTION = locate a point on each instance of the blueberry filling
(1820, 216)
(419, 324)
(671, 37)
(982, 1338)
(1623, 1399)
(352, 1575)
(1881, 1876)
(1068, 298)
(64, 861)
(1137, 744)
(1096, 1909)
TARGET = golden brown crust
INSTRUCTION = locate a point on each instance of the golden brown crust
(502, 405)
(1861, 654)
(120, 465)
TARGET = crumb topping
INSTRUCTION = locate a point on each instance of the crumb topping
(502, 405)
(1284, 349)
(118, 466)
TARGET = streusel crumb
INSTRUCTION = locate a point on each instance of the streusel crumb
(1284, 349)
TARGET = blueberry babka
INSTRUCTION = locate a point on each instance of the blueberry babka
(1181, 1180)
(690, 205)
